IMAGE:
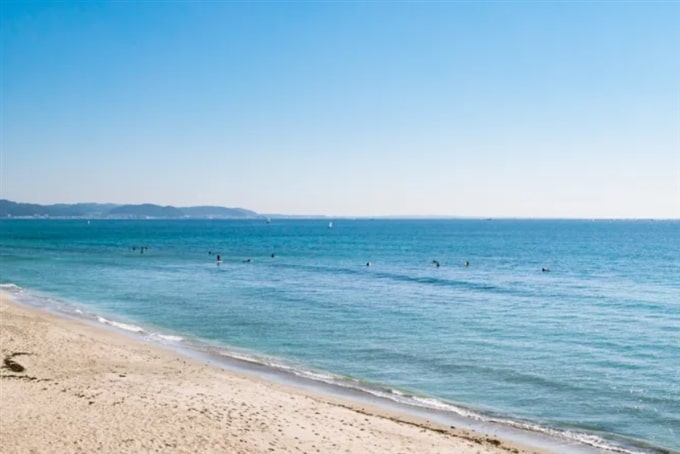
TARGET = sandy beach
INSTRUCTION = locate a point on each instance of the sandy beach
(66, 386)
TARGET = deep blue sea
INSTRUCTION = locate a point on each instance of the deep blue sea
(589, 350)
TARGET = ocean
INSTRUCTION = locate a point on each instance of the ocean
(569, 328)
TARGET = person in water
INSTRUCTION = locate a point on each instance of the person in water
(467, 263)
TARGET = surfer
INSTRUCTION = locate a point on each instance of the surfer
(368, 263)
(545, 270)
(467, 263)
(435, 263)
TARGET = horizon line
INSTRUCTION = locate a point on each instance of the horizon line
(349, 216)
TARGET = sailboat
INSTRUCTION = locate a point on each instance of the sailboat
(330, 225)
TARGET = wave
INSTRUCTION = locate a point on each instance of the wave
(123, 326)
(424, 280)
(166, 337)
(72, 310)
(155, 336)
(13, 288)
(427, 403)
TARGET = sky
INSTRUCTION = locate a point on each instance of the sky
(481, 109)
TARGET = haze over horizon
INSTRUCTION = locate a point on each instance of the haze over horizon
(518, 109)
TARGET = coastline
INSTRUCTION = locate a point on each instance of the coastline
(68, 386)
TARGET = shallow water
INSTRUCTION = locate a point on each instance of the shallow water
(590, 348)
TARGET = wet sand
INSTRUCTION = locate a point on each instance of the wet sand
(67, 387)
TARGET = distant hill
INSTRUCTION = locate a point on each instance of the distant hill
(83, 209)
(218, 212)
(109, 210)
(146, 210)
(9, 208)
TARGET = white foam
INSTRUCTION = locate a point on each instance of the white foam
(579, 437)
(349, 383)
(239, 357)
(167, 337)
(11, 287)
(119, 325)
(315, 376)
(280, 365)
(429, 402)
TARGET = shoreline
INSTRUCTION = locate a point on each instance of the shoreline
(68, 386)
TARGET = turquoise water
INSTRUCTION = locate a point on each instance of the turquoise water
(588, 351)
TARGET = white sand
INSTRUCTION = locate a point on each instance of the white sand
(86, 389)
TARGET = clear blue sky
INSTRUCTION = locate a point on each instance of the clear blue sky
(520, 109)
